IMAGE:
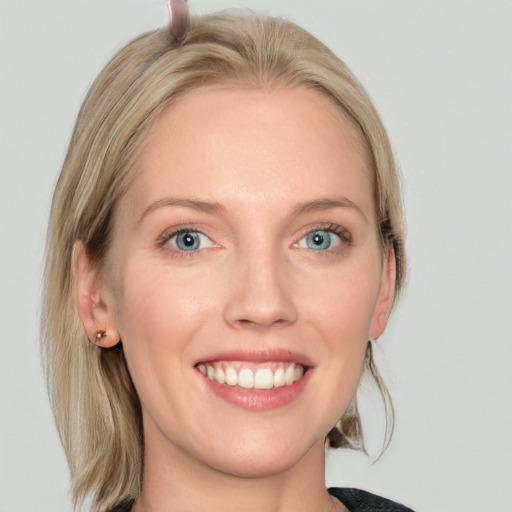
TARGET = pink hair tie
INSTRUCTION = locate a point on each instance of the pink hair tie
(180, 18)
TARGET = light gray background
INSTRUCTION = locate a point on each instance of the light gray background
(441, 75)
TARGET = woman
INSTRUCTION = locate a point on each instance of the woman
(225, 238)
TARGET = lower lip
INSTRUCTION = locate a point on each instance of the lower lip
(258, 399)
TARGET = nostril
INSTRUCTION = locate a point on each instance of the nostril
(260, 323)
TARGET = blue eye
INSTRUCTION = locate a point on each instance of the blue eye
(320, 240)
(189, 241)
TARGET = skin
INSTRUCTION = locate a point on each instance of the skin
(254, 283)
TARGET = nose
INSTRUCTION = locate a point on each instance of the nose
(261, 294)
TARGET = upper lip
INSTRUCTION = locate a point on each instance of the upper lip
(260, 356)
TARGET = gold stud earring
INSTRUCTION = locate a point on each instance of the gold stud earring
(99, 336)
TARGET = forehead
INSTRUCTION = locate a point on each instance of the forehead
(252, 144)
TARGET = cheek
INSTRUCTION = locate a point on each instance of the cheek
(342, 303)
(159, 317)
(160, 309)
(341, 312)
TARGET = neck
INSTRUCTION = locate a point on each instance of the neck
(175, 481)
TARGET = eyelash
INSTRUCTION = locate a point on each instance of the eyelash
(335, 247)
(163, 240)
(342, 232)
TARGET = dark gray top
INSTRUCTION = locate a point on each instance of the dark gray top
(354, 499)
(361, 501)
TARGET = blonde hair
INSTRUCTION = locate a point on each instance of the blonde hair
(96, 407)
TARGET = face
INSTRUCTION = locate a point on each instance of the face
(246, 277)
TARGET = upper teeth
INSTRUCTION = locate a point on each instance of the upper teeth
(282, 374)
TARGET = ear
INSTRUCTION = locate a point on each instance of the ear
(385, 296)
(90, 300)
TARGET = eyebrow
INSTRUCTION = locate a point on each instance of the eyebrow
(329, 204)
(202, 206)
(213, 207)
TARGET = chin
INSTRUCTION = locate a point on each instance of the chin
(263, 455)
(256, 465)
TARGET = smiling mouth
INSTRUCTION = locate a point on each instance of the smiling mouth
(246, 375)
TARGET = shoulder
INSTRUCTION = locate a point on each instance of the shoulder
(361, 501)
